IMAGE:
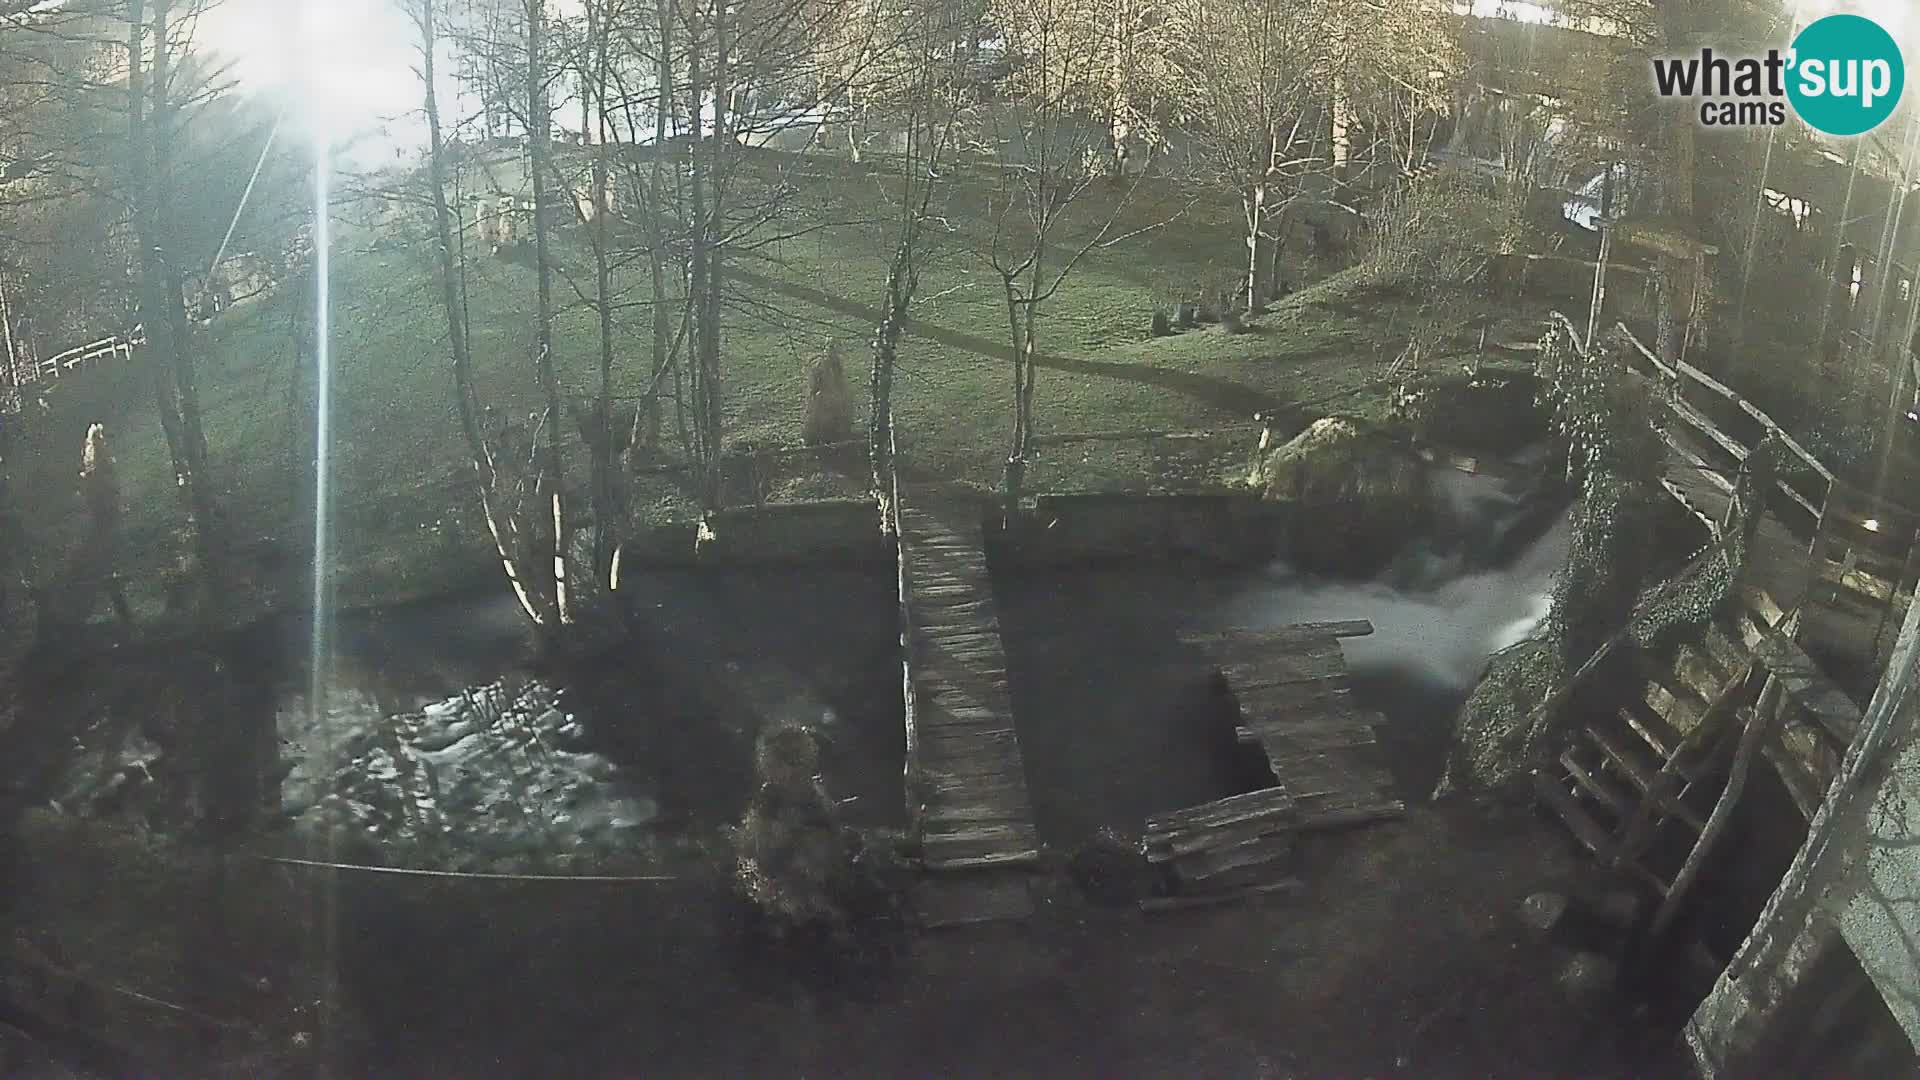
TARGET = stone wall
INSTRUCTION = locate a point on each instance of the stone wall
(1078, 529)
(843, 532)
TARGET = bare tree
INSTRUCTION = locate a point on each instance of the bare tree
(510, 532)
(1051, 153)
(1248, 88)
(929, 107)
(153, 117)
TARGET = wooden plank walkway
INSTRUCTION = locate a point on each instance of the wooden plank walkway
(967, 784)
(1296, 703)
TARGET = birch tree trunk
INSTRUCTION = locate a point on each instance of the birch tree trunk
(540, 152)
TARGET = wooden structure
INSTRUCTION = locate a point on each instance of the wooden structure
(1637, 786)
(967, 796)
(1814, 553)
(26, 372)
(1295, 703)
(1644, 782)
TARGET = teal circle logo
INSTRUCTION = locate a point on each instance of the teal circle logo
(1845, 75)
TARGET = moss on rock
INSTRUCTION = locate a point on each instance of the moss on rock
(1494, 742)
(1355, 493)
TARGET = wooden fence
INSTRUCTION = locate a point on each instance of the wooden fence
(19, 373)
(1864, 548)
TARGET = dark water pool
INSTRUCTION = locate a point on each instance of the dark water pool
(1113, 724)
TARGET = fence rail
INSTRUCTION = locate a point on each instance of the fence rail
(26, 373)
(1815, 481)
(1863, 548)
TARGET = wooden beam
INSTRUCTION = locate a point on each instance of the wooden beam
(1154, 905)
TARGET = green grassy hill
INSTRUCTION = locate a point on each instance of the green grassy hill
(398, 467)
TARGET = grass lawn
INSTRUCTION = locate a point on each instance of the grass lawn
(405, 522)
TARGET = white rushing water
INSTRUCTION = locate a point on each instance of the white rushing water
(1449, 600)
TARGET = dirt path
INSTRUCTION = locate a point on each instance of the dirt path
(1402, 959)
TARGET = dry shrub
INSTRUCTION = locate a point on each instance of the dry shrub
(791, 858)
(828, 416)
(1441, 229)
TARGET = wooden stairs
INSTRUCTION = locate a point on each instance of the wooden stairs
(1637, 786)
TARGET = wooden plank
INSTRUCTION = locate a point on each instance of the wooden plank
(1694, 672)
(1221, 811)
(1699, 421)
(1337, 629)
(1652, 730)
(1280, 669)
(1701, 470)
(1646, 779)
(1215, 861)
(1314, 737)
(1364, 810)
(1646, 354)
(1794, 776)
(1589, 832)
(1154, 905)
(1165, 847)
(1808, 687)
(1608, 795)
(1841, 575)
(1316, 697)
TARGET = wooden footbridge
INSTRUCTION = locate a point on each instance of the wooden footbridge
(1294, 701)
(966, 783)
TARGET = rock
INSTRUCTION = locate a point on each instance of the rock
(1111, 871)
(1355, 493)
(1619, 909)
(1588, 979)
(1542, 912)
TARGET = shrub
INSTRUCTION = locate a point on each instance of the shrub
(1441, 229)
(790, 856)
(828, 415)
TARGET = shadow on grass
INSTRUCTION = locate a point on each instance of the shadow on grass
(1217, 393)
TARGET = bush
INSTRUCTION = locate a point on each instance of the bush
(828, 416)
(1441, 229)
(791, 858)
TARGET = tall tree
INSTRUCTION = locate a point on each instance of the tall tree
(510, 532)
(152, 116)
(928, 107)
(1053, 158)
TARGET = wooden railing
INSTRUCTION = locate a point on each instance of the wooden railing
(1864, 548)
(1805, 483)
(25, 373)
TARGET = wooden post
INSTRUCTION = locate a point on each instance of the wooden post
(6, 330)
(1759, 726)
(1599, 296)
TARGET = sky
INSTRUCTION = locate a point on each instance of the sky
(344, 68)
(348, 66)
